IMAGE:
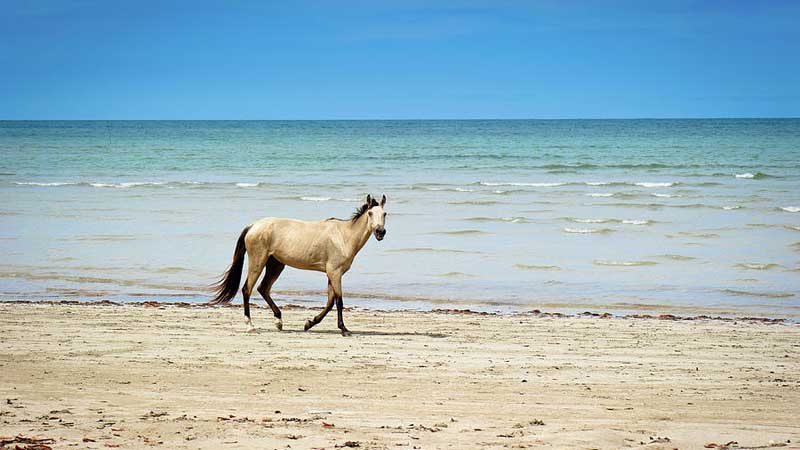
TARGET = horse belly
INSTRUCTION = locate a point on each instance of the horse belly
(303, 263)
(301, 255)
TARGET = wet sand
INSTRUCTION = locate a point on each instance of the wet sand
(170, 377)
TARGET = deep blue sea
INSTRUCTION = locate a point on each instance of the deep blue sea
(653, 216)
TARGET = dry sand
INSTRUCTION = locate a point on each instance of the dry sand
(135, 376)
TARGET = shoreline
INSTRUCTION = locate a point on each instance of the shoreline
(462, 311)
(97, 376)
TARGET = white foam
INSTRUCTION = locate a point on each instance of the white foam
(127, 185)
(458, 189)
(601, 262)
(142, 183)
(315, 199)
(730, 208)
(43, 184)
(600, 194)
(655, 184)
(656, 194)
(597, 183)
(591, 220)
(745, 175)
(636, 222)
(756, 266)
(792, 209)
(586, 230)
(488, 183)
(246, 184)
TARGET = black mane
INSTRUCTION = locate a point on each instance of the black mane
(363, 208)
(360, 210)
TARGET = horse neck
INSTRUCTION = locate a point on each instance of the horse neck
(358, 234)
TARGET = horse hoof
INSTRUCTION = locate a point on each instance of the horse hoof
(308, 325)
(346, 333)
(279, 324)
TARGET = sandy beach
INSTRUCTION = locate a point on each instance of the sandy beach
(545, 224)
(80, 376)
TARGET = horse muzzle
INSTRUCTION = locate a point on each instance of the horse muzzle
(380, 233)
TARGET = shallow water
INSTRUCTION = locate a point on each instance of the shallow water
(692, 216)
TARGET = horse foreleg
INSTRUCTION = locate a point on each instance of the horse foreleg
(337, 292)
(339, 308)
(328, 306)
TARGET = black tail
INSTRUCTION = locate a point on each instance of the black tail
(228, 285)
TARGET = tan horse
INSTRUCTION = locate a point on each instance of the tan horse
(328, 246)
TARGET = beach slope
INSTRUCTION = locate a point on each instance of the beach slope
(170, 377)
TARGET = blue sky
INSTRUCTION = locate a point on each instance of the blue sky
(405, 59)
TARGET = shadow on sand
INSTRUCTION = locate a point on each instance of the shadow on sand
(361, 333)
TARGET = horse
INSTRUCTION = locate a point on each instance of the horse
(326, 246)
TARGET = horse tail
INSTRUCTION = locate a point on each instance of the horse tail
(227, 286)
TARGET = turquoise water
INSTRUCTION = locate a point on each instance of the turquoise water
(672, 216)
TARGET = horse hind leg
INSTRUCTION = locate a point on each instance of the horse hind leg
(271, 273)
(254, 269)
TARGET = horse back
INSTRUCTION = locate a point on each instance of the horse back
(296, 243)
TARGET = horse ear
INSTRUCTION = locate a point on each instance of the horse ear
(369, 199)
(383, 200)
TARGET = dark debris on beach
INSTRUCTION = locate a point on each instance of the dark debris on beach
(531, 313)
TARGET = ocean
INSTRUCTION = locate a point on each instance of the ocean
(623, 216)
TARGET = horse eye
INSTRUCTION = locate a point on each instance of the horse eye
(370, 213)
(384, 214)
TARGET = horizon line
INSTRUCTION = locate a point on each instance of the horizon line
(410, 119)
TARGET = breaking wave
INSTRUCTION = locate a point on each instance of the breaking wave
(656, 184)
(754, 176)
(602, 262)
(488, 183)
(692, 234)
(623, 221)
(33, 183)
(588, 230)
(757, 266)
